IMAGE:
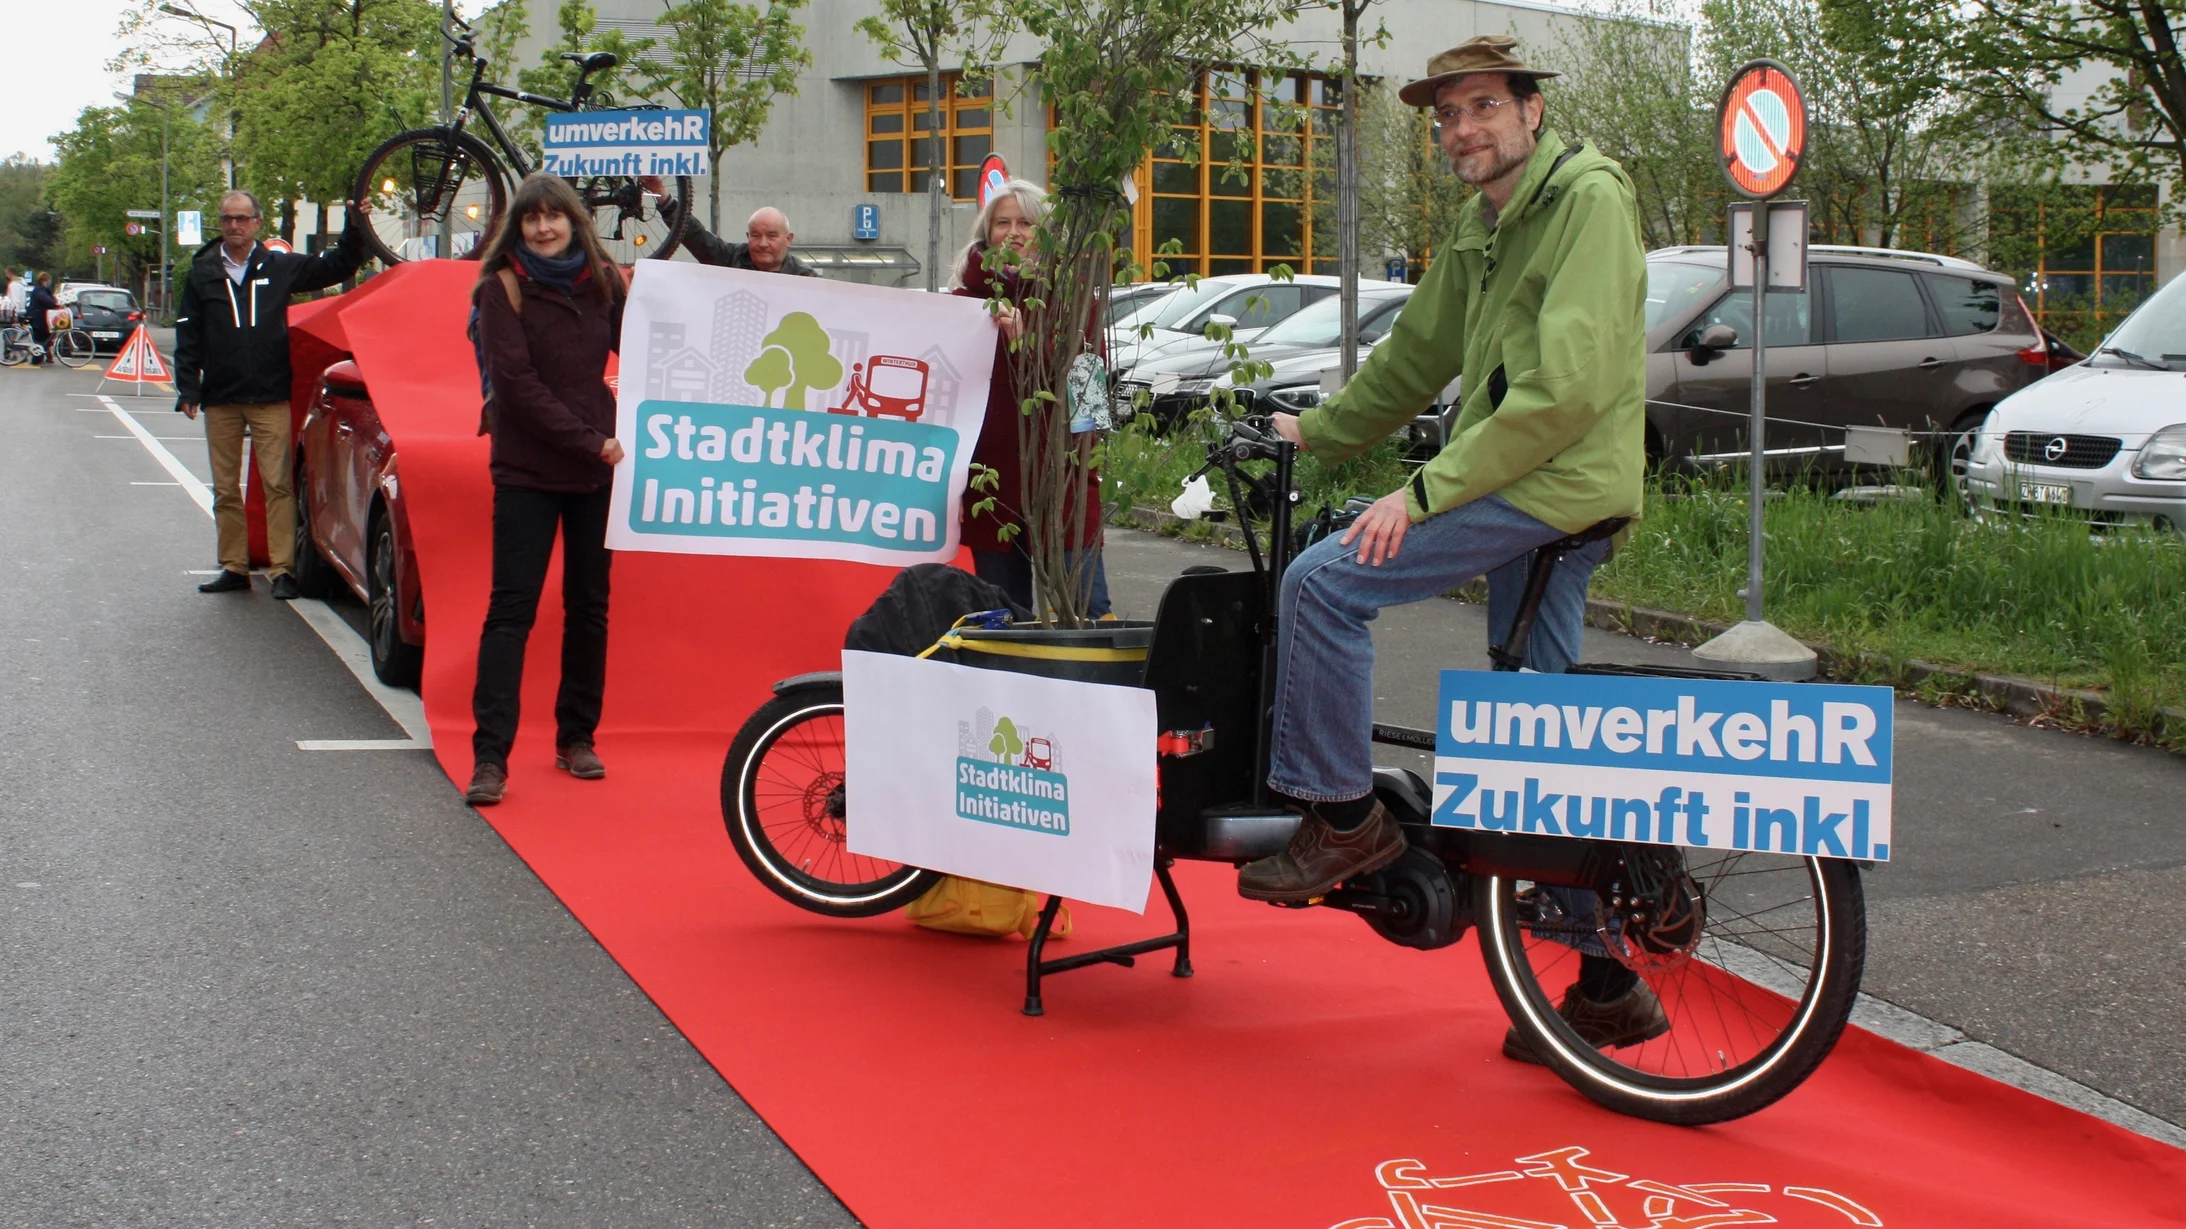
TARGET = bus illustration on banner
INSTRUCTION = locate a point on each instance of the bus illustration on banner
(891, 387)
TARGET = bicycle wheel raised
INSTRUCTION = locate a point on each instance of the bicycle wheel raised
(782, 797)
(1754, 957)
(423, 177)
(631, 225)
(74, 347)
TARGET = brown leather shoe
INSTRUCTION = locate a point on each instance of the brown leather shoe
(1320, 857)
(1634, 1017)
(580, 761)
(488, 782)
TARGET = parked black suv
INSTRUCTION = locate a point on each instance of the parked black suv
(1879, 338)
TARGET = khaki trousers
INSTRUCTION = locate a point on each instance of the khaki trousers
(269, 442)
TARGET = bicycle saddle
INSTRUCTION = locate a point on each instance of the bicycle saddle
(1592, 533)
(593, 62)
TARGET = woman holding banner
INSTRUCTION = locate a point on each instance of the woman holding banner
(548, 312)
(1007, 222)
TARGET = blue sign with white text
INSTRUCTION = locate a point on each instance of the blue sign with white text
(865, 222)
(1795, 768)
(636, 142)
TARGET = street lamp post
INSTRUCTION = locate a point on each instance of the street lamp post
(227, 157)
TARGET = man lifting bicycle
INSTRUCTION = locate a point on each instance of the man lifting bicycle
(1537, 300)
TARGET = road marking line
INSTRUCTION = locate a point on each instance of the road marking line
(405, 707)
(361, 744)
(155, 484)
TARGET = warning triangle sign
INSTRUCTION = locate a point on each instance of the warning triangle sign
(139, 362)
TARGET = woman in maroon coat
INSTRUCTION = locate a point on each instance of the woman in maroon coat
(1008, 221)
(549, 313)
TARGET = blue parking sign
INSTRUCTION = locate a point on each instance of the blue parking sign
(865, 221)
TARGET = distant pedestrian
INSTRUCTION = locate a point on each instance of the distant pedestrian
(42, 303)
(767, 239)
(231, 359)
(14, 295)
(549, 313)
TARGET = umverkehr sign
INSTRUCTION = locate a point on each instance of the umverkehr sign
(626, 143)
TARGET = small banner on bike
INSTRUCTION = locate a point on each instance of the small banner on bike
(795, 417)
(1789, 768)
(579, 144)
(1037, 783)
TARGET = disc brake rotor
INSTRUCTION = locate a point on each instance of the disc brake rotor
(823, 807)
(1652, 919)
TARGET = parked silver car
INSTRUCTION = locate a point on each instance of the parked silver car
(2106, 437)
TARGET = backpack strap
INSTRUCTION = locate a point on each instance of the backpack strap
(510, 288)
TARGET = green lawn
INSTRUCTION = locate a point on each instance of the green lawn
(2041, 599)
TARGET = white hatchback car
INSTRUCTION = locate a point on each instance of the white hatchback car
(2106, 437)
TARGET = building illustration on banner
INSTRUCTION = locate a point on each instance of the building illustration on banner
(1551, 1185)
(1005, 775)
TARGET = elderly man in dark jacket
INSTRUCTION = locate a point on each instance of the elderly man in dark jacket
(766, 239)
(231, 359)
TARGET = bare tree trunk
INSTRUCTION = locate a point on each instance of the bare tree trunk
(1347, 190)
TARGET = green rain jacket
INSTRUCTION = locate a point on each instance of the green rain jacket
(1545, 317)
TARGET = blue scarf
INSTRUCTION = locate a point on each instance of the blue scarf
(562, 272)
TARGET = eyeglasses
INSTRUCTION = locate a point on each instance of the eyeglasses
(237, 219)
(1481, 110)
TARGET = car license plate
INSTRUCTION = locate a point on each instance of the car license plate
(2045, 493)
(105, 335)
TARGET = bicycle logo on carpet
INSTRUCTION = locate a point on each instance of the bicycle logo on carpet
(1602, 1198)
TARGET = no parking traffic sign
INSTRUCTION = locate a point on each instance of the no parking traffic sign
(1762, 129)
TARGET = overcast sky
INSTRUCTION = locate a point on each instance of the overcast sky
(57, 54)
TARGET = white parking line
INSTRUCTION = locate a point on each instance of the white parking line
(407, 710)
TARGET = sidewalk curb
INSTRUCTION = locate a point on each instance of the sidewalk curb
(2036, 703)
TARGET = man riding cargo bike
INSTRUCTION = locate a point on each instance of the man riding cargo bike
(1538, 302)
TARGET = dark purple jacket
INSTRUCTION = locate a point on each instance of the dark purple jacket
(552, 410)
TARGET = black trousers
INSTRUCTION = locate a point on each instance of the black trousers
(523, 541)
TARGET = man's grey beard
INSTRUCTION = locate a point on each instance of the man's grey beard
(1500, 168)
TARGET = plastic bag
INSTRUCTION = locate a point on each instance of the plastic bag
(975, 907)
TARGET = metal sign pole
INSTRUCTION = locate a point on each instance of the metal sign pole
(1757, 476)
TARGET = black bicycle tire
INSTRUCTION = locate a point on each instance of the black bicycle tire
(497, 177)
(760, 732)
(1735, 1093)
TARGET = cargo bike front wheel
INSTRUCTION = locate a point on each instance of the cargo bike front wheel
(782, 797)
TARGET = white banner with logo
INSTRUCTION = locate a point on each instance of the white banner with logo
(1031, 782)
(794, 416)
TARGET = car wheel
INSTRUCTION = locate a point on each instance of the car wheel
(1953, 453)
(397, 663)
(314, 575)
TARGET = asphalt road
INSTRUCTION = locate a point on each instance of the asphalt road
(246, 984)
(250, 985)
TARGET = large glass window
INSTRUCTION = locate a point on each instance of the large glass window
(2084, 254)
(1247, 203)
(900, 144)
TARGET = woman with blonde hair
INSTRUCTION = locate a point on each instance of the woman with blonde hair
(1007, 224)
(549, 304)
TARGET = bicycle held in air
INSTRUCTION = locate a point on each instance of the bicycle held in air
(445, 177)
(1756, 957)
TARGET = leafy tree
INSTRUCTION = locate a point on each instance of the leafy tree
(331, 80)
(555, 76)
(29, 227)
(803, 345)
(730, 60)
(109, 163)
(2020, 59)
(1007, 744)
(927, 34)
(1408, 197)
(1630, 90)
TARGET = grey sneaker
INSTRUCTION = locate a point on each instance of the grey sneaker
(1320, 857)
(1634, 1017)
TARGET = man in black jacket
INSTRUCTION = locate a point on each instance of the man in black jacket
(766, 239)
(231, 359)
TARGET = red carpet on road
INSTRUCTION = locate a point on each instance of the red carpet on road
(1310, 1076)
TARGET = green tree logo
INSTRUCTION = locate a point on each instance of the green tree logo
(794, 358)
(1006, 744)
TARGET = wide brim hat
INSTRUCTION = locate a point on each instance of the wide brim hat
(1487, 53)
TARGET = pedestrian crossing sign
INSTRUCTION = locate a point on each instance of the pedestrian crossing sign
(138, 363)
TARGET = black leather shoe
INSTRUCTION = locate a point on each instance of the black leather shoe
(226, 582)
(284, 588)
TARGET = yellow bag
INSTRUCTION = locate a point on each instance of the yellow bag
(976, 907)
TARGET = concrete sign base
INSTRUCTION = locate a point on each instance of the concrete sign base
(1759, 647)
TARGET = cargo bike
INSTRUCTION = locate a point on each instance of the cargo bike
(1755, 957)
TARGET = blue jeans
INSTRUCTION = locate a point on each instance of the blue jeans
(1324, 680)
